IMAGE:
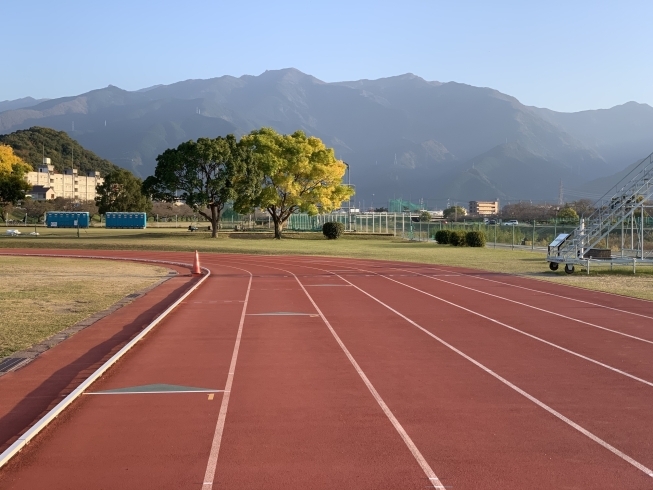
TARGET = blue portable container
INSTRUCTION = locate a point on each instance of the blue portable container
(125, 220)
(66, 219)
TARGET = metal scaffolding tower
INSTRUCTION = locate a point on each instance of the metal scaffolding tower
(620, 215)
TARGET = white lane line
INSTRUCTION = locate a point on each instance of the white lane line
(426, 468)
(541, 404)
(212, 463)
(476, 276)
(568, 351)
(430, 474)
(535, 308)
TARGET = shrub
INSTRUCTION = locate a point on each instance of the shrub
(332, 229)
(475, 239)
(458, 238)
(442, 236)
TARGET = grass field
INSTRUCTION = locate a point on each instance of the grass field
(620, 281)
(41, 296)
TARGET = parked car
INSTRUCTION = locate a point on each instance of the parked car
(512, 222)
(492, 222)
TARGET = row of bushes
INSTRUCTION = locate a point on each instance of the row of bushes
(460, 238)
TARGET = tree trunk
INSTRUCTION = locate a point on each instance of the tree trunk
(278, 227)
(215, 221)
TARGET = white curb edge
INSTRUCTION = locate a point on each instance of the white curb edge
(23, 440)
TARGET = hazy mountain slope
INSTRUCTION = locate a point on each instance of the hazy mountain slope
(594, 189)
(621, 134)
(9, 105)
(402, 136)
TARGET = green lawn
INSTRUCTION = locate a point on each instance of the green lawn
(523, 262)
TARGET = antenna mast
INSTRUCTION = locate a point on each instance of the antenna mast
(560, 195)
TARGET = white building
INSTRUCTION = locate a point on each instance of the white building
(46, 184)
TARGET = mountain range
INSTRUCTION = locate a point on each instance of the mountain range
(402, 136)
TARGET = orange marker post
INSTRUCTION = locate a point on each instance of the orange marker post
(196, 264)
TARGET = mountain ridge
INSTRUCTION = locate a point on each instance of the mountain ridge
(449, 140)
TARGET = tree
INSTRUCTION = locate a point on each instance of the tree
(299, 174)
(425, 216)
(121, 192)
(568, 213)
(36, 209)
(583, 207)
(13, 185)
(454, 212)
(527, 211)
(9, 162)
(209, 173)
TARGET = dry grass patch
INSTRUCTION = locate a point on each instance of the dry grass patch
(40, 296)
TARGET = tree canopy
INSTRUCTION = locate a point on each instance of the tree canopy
(121, 192)
(299, 173)
(209, 172)
(10, 162)
(13, 185)
(34, 143)
(568, 213)
(454, 212)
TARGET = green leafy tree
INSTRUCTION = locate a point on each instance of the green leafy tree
(209, 173)
(299, 174)
(121, 192)
(454, 212)
(568, 213)
(425, 216)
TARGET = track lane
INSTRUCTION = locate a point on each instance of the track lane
(299, 415)
(458, 417)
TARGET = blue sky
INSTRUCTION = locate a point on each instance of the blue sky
(566, 56)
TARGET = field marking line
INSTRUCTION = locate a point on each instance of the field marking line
(530, 397)
(23, 440)
(421, 461)
(435, 278)
(556, 346)
(212, 463)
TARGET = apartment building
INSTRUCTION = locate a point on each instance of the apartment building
(46, 184)
(484, 208)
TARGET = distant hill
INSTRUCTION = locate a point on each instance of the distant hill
(8, 105)
(403, 136)
(31, 144)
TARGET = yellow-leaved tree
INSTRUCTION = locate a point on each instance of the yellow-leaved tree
(10, 162)
(13, 185)
(299, 173)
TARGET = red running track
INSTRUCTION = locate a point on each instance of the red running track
(386, 375)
